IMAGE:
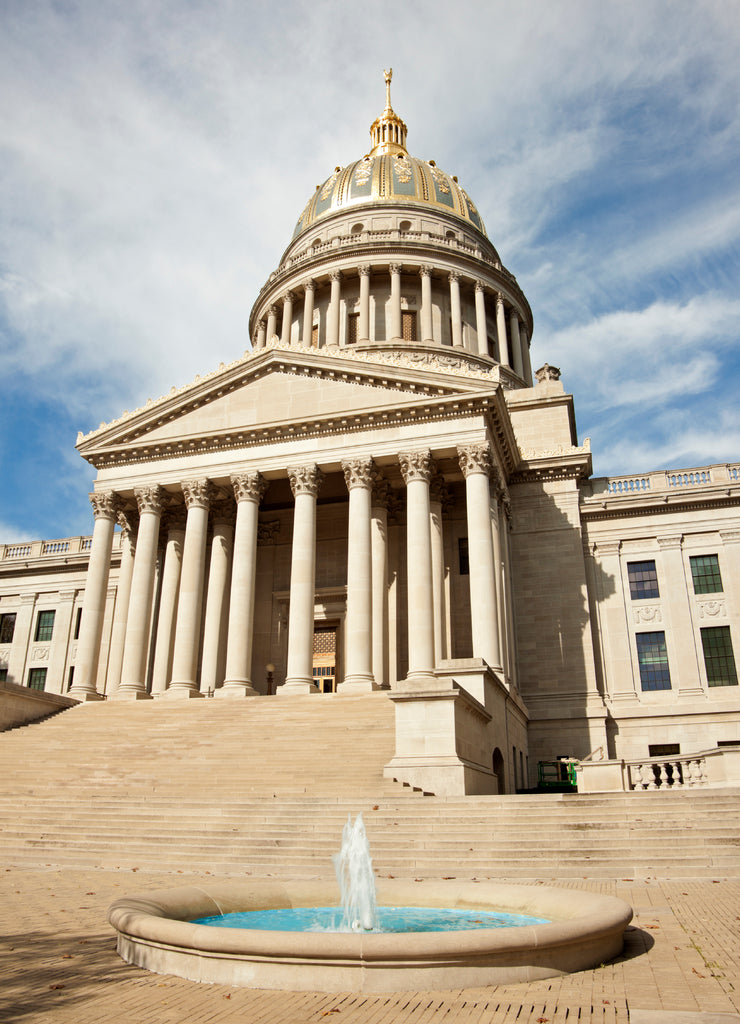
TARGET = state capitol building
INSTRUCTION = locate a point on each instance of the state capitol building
(383, 496)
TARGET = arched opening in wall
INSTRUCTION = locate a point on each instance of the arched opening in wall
(357, 229)
(498, 771)
(405, 225)
(450, 235)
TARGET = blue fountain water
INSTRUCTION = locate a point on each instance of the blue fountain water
(359, 911)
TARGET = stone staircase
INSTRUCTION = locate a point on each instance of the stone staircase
(263, 786)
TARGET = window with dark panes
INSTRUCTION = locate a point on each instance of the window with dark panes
(652, 657)
(44, 626)
(7, 628)
(36, 678)
(643, 580)
(705, 574)
(719, 657)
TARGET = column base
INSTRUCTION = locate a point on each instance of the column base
(181, 691)
(85, 695)
(237, 689)
(296, 686)
(356, 684)
(127, 693)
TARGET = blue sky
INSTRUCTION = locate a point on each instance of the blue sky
(154, 157)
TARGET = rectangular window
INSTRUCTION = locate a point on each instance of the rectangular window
(663, 749)
(408, 324)
(705, 574)
(3, 675)
(7, 628)
(652, 657)
(719, 658)
(36, 678)
(71, 678)
(462, 556)
(643, 580)
(78, 621)
(44, 626)
(353, 326)
(315, 336)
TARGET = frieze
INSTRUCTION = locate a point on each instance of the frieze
(530, 455)
(648, 613)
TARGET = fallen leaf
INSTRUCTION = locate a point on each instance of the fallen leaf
(56, 986)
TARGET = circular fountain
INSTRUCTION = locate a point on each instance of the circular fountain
(159, 932)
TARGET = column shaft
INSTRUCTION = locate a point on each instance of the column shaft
(248, 490)
(271, 322)
(308, 313)
(190, 599)
(475, 461)
(503, 345)
(93, 603)
(379, 554)
(417, 471)
(332, 317)
(516, 345)
(358, 626)
(427, 328)
(162, 671)
(261, 334)
(438, 575)
(455, 310)
(395, 324)
(217, 599)
(480, 318)
(287, 318)
(363, 326)
(123, 598)
(305, 482)
(138, 626)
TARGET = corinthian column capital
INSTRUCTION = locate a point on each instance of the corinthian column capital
(475, 458)
(249, 486)
(197, 493)
(305, 480)
(364, 270)
(105, 504)
(416, 466)
(358, 473)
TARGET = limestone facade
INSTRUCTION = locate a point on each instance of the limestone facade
(380, 496)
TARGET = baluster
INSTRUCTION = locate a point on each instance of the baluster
(663, 784)
(651, 784)
(677, 773)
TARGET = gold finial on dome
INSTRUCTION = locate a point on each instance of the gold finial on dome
(388, 132)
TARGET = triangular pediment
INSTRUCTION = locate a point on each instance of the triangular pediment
(276, 392)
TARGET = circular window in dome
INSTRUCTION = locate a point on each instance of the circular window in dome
(356, 229)
(405, 225)
(450, 234)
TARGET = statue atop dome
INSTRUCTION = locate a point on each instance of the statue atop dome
(388, 132)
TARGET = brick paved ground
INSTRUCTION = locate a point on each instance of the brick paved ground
(58, 964)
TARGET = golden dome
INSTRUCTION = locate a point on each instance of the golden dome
(387, 174)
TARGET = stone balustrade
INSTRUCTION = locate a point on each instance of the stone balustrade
(667, 772)
(664, 482)
(49, 548)
(719, 766)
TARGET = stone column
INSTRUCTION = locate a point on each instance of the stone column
(304, 482)
(271, 322)
(363, 326)
(248, 491)
(129, 522)
(308, 296)
(105, 508)
(217, 598)
(525, 354)
(503, 345)
(190, 599)
(395, 326)
(287, 318)
(476, 464)
(427, 328)
(379, 555)
(516, 344)
(332, 317)
(417, 469)
(358, 475)
(497, 490)
(480, 318)
(260, 339)
(455, 310)
(437, 494)
(162, 671)
(138, 625)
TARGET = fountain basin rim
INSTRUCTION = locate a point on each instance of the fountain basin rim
(155, 931)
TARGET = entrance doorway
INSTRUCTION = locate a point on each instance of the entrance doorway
(325, 658)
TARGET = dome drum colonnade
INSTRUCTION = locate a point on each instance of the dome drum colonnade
(189, 626)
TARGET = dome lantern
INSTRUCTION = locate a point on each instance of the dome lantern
(388, 132)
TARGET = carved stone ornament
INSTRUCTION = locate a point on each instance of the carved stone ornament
(149, 499)
(454, 276)
(381, 489)
(364, 270)
(174, 520)
(249, 486)
(40, 653)
(267, 532)
(335, 275)
(479, 286)
(714, 609)
(197, 493)
(288, 297)
(309, 285)
(358, 473)
(222, 512)
(128, 520)
(547, 372)
(439, 492)
(475, 458)
(416, 466)
(104, 504)
(305, 480)
(395, 268)
(425, 271)
(648, 613)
